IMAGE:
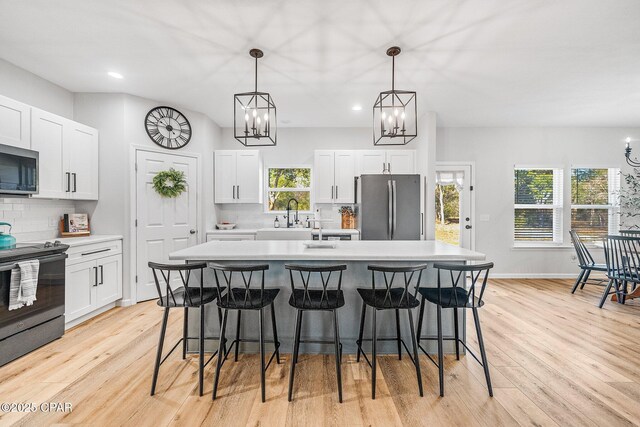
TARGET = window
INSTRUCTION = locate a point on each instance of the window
(538, 205)
(594, 210)
(285, 184)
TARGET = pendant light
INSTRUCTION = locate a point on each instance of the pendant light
(395, 113)
(254, 114)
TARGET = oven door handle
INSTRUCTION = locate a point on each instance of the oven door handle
(43, 260)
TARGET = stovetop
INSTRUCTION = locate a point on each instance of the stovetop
(31, 250)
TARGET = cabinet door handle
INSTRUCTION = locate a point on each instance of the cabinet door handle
(68, 182)
(95, 252)
(75, 182)
(234, 192)
(384, 167)
(336, 192)
(238, 191)
(389, 167)
(101, 275)
(332, 193)
(95, 275)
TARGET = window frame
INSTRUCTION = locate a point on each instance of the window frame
(265, 202)
(613, 205)
(557, 208)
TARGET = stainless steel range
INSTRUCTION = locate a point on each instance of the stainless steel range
(30, 327)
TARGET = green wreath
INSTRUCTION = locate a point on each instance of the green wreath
(169, 183)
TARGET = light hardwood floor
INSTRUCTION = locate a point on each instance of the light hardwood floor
(556, 359)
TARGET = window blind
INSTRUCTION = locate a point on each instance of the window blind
(537, 205)
(594, 204)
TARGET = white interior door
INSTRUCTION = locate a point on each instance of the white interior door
(165, 225)
(453, 204)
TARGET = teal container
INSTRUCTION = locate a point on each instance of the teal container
(7, 240)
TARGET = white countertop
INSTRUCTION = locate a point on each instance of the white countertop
(80, 241)
(284, 229)
(351, 250)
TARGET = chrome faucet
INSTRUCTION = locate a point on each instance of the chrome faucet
(289, 222)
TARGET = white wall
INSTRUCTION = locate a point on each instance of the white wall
(120, 119)
(34, 219)
(23, 86)
(495, 151)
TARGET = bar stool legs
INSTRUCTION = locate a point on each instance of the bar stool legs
(238, 318)
(398, 334)
(221, 353)
(275, 332)
(184, 333)
(483, 354)
(413, 355)
(156, 368)
(296, 351)
(456, 332)
(440, 351)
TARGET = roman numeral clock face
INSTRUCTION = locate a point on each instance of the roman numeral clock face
(168, 127)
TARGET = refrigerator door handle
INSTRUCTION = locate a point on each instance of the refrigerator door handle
(393, 196)
(390, 229)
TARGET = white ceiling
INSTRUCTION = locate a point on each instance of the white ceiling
(475, 62)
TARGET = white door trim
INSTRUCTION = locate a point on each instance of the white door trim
(133, 244)
(472, 215)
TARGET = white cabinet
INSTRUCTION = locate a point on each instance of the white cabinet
(81, 155)
(381, 161)
(401, 161)
(238, 176)
(80, 293)
(47, 137)
(93, 279)
(334, 173)
(14, 123)
(68, 157)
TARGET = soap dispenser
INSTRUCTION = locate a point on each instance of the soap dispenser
(276, 223)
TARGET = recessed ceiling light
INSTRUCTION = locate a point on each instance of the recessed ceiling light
(115, 75)
(357, 107)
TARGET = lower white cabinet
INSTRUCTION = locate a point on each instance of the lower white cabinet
(93, 279)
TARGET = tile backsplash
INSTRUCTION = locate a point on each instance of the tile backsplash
(33, 219)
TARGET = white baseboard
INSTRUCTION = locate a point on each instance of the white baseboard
(125, 302)
(533, 275)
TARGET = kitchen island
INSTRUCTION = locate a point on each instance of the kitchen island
(357, 255)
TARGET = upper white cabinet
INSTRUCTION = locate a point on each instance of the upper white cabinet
(238, 176)
(68, 157)
(334, 171)
(382, 161)
(14, 123)
(81, 155)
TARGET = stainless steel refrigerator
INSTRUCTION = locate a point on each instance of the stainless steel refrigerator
(389, 207)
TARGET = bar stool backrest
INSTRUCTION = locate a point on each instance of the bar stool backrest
(630, 233)
(305, 274)
(583, 254)
(224, 275)
(478, 273)
(184, 271)
(411, 276)
(622, 256)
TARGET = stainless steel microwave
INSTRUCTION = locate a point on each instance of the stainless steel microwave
(18, 171)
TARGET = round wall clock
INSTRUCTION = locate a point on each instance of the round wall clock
(168, 127)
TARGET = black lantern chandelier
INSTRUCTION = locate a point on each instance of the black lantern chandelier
(254, 114)
(395, 113)
(627, 154)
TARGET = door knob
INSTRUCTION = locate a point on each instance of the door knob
(468, 227)
(192, 231)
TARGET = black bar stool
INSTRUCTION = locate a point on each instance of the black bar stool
(457, 296)
(240, 299)
(391, 298)
(319, 299)
(186, 297)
